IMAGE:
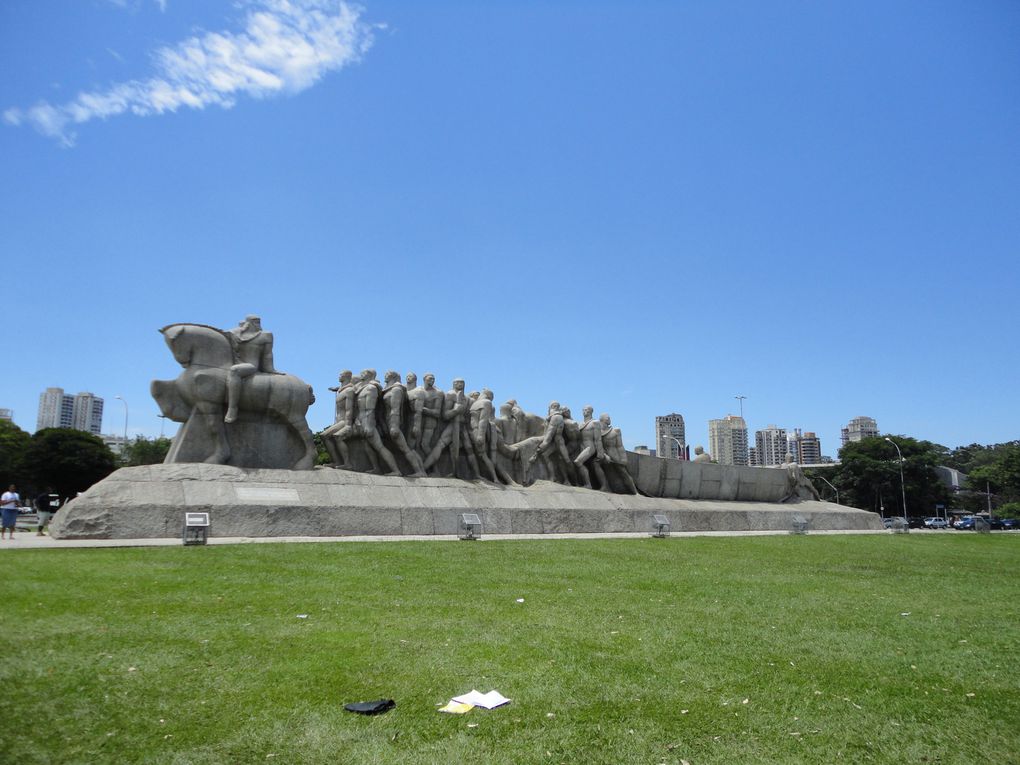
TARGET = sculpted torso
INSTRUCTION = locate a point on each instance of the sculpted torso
(393, 404)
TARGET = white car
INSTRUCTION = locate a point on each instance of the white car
(936, 523)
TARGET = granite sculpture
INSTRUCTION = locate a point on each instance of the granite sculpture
(798, 486)
(235, 407)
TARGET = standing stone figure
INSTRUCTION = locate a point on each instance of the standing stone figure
(700, 455)
(616, 455)
(480, 414)
(455, 432)
(592, 453)
(253, 354)
(369, 392)
(394, 399)
(552, 448)
(497, 445)
(572, 439)
(432, 414)
(334, 438)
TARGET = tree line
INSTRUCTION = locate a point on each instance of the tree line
(868, 477)
(65, 460)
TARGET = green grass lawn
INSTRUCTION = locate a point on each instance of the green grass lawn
(814, 649)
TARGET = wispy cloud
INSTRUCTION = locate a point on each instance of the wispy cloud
(285, 46)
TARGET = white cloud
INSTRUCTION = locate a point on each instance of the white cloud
(286, 46)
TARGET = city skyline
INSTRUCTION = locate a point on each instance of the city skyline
(555, 202)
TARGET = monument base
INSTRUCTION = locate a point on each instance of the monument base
(150, 502)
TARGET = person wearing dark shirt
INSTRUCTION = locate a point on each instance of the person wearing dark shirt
(46, 504)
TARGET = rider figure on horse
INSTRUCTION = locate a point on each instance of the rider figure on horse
(253, 354)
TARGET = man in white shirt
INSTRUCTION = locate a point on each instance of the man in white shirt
(9, 503)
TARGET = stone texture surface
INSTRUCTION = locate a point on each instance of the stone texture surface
(151, 501)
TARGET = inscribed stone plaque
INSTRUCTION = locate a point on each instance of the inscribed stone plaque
(254, 494)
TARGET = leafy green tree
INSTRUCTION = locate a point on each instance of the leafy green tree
(868, 475)
(322, 456)
(67, 460)
(144, 451)
(13, 442)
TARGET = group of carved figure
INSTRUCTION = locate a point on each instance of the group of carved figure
(423, 423)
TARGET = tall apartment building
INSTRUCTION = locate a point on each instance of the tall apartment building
(770, 446)
(667, 428)
(806, 447)
(858, 429)
(6, 414)
(57, 409)
(752, 456)
(727, 440)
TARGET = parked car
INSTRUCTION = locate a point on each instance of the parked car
(936, 523)
(1010, 524)
(969, 523)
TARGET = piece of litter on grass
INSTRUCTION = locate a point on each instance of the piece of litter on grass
(745, 701)
(455, 708)
(302, 616)
(905, 613)
(132, 669)
(489, 700)
(550, 714)
(371, 707)
(970, 695)
(472, 725)
(683, 711)
(520, 600)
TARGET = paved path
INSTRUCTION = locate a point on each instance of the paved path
(27, 540)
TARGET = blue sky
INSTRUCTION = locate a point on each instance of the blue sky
(650, 206)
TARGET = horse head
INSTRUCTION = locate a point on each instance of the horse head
(198, 345)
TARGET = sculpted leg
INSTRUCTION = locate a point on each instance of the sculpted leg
(409, 454)
(235, 375)
(376, 445)
(585, 455)
(437, 450)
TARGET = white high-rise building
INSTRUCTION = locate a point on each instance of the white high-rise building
(771, 446)
(60, 410)
(727, 440)
(858, 429)
(667, 428)
(6, 414)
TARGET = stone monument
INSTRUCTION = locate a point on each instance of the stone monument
(407, 460)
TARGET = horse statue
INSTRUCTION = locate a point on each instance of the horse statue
(270, 431)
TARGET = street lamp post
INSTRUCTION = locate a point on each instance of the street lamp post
(741, 400)
(903, 488)
(831, 487)
(162, 423)
(123, 450)
(679, 445)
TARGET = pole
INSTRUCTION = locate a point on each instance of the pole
(162, 423)
(831, 487)
(741, 400)
(903, 487)
(123, 451)
(679, 446)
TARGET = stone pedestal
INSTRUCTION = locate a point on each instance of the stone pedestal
(150, 501)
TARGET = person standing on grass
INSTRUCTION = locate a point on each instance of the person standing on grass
(9, 510)
(46, 504)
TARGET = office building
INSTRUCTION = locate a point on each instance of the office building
(727, 440)
(859, 429)
(57, 409)
(770, 446)
(670, 441)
